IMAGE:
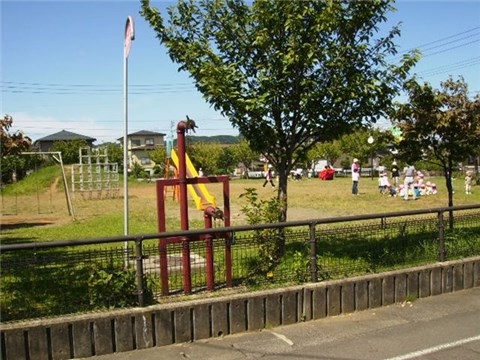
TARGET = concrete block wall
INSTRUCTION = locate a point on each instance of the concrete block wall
(102, 333)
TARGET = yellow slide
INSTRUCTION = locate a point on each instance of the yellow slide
(199, 192)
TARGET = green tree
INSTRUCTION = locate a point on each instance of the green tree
(159, 157)
(115, 153)
(357, 144)
(287, 74)
(70, 150)
(12, 165)
(206, 156)
(243, 153)
(441, 126)
(226, 161)
(330, 151)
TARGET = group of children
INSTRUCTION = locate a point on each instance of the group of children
(417, 188)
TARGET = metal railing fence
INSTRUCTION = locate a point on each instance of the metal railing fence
(63, 277)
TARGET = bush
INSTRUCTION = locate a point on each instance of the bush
(115, 286)
(270, 241)
(139, 172)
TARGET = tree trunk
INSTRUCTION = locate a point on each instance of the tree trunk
(448, 179)
(282, 216)
(282, 195)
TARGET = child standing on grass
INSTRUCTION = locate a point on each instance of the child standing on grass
(392, 191)
(380, 185)
(384, 183)
(468, 182)
(269, 176)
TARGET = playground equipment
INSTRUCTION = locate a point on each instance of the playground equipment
(203, 199)
(57, 156)
(188, 179)
(95, 174)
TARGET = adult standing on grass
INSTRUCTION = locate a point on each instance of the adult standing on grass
(355, 176)
(409, 173)
(395, 173)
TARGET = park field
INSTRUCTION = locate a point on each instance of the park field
(44, 216)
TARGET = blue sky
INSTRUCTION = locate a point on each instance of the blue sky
(62, 65)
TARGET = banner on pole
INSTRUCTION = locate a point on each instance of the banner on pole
(129, 36)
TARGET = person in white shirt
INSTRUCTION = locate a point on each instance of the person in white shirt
(355, 176)
(409, 174)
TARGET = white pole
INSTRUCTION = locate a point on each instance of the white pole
(129, 36)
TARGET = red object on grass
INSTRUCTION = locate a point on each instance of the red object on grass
(326, 174)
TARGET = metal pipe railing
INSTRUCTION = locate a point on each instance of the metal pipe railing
(216, 232)
(227, 233)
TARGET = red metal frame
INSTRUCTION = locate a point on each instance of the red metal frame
(209, 213)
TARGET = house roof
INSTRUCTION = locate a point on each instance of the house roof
(143, 133)
(65, 136)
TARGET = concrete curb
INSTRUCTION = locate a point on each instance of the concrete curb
(91, 334)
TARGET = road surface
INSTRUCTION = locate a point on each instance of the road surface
(442, 327)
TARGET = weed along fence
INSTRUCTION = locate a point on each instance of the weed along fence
(89, 297)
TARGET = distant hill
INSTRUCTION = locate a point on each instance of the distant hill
(220, 139)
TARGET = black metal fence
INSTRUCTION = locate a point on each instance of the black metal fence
(62, 277)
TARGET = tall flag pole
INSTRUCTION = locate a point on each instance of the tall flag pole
(129, 37)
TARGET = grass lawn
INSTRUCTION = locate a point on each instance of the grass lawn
(42, 215)
(33, 214)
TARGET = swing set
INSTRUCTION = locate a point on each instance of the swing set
(42, 196)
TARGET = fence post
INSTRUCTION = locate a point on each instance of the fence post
(186, 266)
(313, 254)
(441, 237)
(209, 263)
(229, 240)
(139, 271)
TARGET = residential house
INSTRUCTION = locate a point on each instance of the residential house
(45, 144)
(140, 144)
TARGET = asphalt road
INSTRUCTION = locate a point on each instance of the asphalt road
(435, 328)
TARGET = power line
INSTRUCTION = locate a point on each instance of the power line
(450, 67)
(425, 51)
(441, 39)
(156, 89)
(115, 86)
(452, 48)
(75, 89)
(451, 42)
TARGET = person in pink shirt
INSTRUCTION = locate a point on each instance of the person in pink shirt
(269, 176)
(355, 176)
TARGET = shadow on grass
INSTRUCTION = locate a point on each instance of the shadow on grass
(62, 281)
(22, 225)
(9, 239)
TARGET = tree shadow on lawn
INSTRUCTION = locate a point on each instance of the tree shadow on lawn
(371, 247)
(7, 238)
(21, 225)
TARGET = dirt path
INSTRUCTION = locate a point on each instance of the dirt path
(53, 187)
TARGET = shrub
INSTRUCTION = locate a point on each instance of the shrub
(115, 286)
(270, 248)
